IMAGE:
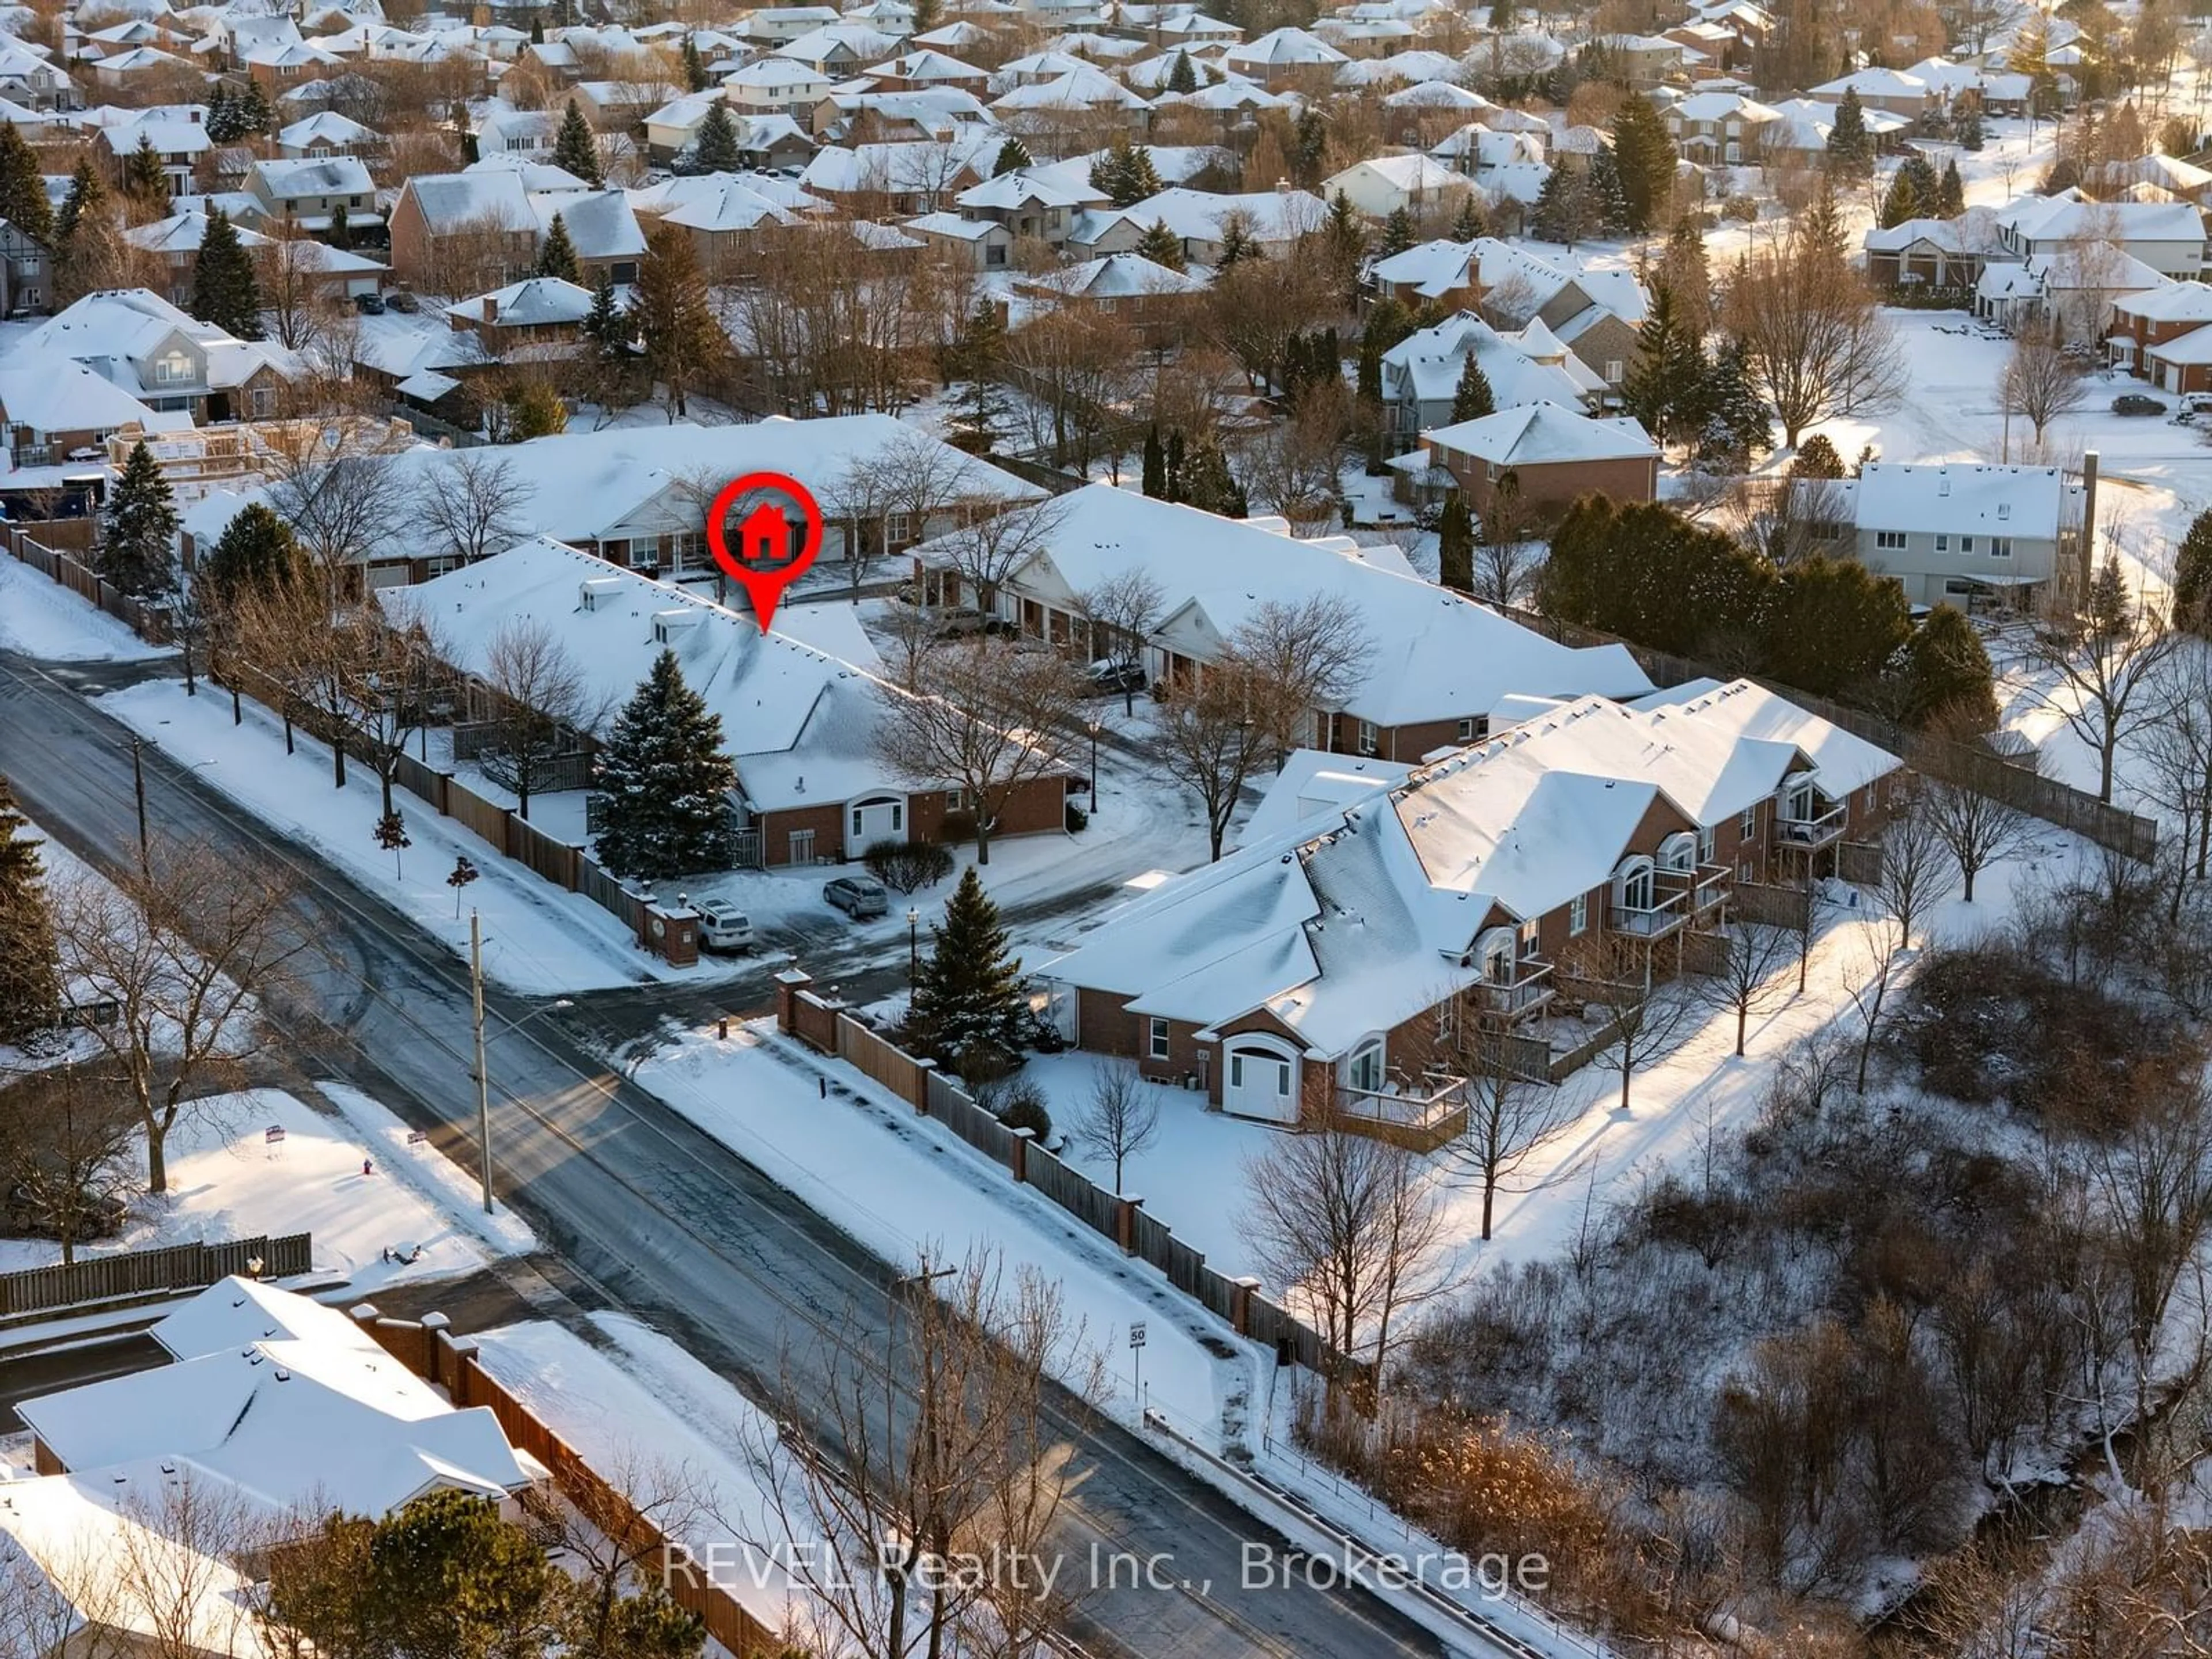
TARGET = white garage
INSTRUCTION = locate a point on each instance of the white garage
(1260, 1078)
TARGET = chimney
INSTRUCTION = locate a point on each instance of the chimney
(2088, 520)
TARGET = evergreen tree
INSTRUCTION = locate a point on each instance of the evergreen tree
(141, 528)
(87, 194)
(223, 116)
(1969, 129)
(1566, 208)
(607, 325)
(1834, 626)
(255, 555)
(1013, 154)
(1643, 155)
(666, 783)
(695, 67)
(1504, 17)
(1947, 675)
(143, 180)
(557, 257)
(684, 339)
(1398, 233)
(256, 114)
(716, 147)
(1913, 190)
(1181, 78)
(2192, 577)
(537, 30)
(1370, 384)
(1162, 246)
(1473, 399)
(1156, 466)
(1237, 243)
(1738, 426)
(341, 227)
(1470, 225)
(576, 149)
(1817, 458)
(1310, 150)
(23, 201)
(1456, 546)
(1346, 239)
(1608, 201)
(1208, 485)
(1850, 149)
(30, 968)
(534, 410)
(969, 1007)
(1820, 229)
(926, 15)
(1172, 476)
(1126, 173)
(981, 347)
(1951, 192)
(1666, 389)
(225, 291)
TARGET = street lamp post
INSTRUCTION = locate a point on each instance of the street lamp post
(912, 945)
(483, 1075)
(1094, 766)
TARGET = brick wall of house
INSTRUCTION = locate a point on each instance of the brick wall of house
(828, 824)
(1556, 485)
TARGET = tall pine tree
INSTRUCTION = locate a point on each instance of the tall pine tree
(973, 425)
(141, 528)
(1666, 389)
(1473, 399)
(1156, 466)
(1470, 224)
(88, 192)
(1456, 546)
(1643, 155)
(225, 291)
(1161, 245)
(1013, 156)
(30, 969)
(607, 325)
(557, 257)
(695, 67)
(717, 144)
(667, 782)
(1398, 233)
(969, 1007)
(2192, 577)
(255, 555)
(1951, 191)
(576, 149)
(1181, 78)
(23, 201)
(143, 180)
(1851, 149)
(684, 339)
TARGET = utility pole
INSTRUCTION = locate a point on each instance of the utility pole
(484, 1077)
(138, 782)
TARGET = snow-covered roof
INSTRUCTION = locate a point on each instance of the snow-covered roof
(2170, 302)
(47, 393)
(1426, 365)
(1409, 174)
(1436, 94)
(599, 221)
(2074, 218)
(536, 302)
(1542, 434)
(1117, 277)
(1360, 900)
(455, 201)
(1031, 187)
(1437, 654)
(1282, 48)
(325, 127)
(183, 233)
(1083, 87)
(1949, 496)
(338, 175)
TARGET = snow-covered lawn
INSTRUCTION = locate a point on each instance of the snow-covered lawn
(42, 618)
(227, 1181)
(905, 1186)
(654, 1421)
(538, 938)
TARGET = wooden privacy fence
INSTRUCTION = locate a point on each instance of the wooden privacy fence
(1969, 765)
(149, 1273)
(434, 1353)
(822, 1024)
(150, 622)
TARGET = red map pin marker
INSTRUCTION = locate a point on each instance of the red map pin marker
(771, 549)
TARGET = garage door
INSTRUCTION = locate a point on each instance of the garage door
(1260, 1084)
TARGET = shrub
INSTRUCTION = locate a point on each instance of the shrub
(1019, 1104)
(906, 866)
(1077, 819)
(1742, 208)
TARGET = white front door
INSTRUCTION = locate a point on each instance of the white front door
(1260, 1084)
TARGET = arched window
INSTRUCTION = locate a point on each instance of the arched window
(1494, 951)
(1632, 884)
(1364, 1069)
(1679, 852)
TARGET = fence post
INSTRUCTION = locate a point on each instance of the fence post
(435, 1326)
(1240, 1305)
(1125, 1223)
(1021, 1155)
(461, 1370)
(922, 1068)
(788, 984)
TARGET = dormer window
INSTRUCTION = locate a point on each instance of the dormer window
(173, 369)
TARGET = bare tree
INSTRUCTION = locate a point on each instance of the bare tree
(1217, 732)
(2104, 667)
(187, 951)
(2041, 381)
(172, 1579)
(65, 1134)
(1311, 652)
(1977, 829)
(340, 508)
(1120, 1117)
(1291, 466)
(1505, 553)
(1741, 975)
(542, 702)
(1350, 1226)
(1870, 991)
(983, 715)
(1641, 1020)
(990, 548)
(943, 1447)
(399, 685)
(1915, 876)
(1509, 1115)
(470, 505)
(1814, 341)
(1120, 614)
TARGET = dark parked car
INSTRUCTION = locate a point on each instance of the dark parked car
(402, 300)
(369, 305)
(1115, 679)
(2134, 403)
(860, 897)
